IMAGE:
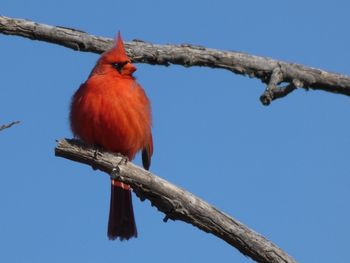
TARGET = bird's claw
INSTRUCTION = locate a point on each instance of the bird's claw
(124, 159)
(96, 155)
(116, 170)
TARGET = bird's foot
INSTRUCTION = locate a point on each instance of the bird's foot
(97, 153)
(116, 170)
(124, 159)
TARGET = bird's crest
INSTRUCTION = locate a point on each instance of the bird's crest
(119, 48)
(117, 53)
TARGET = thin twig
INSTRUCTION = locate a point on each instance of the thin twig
(176, 203)
(6, 126)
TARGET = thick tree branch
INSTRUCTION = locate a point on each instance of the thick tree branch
(295, 75)
(6, 126)
(176, 203)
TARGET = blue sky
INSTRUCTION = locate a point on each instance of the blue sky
(282, 170)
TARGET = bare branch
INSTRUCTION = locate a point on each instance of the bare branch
(5, 126)
(188, 56)
(176, 203)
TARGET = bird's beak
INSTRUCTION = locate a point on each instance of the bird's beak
(128, 69)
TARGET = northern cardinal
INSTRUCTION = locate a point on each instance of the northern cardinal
(111, 111)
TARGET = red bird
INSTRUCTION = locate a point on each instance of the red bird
(111, 110)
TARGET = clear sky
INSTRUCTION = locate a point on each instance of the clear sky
(283, 170)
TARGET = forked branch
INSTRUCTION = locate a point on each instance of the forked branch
(294, 75)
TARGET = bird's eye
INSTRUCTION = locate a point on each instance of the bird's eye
(119, 65)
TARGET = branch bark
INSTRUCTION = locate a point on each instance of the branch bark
(295, 75)
(176, 203)
(6, 126)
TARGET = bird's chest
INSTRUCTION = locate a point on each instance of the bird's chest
(112, 96)
(116, 117)
(115, 106)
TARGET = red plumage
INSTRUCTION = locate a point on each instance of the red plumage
(111, 110)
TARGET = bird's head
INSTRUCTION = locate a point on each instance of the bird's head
(117, 59)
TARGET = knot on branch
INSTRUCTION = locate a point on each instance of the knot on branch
(273, 91)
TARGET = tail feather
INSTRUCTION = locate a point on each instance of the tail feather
(147, 152)
(121, 223)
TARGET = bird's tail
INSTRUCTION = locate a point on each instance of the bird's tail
(121, 223)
